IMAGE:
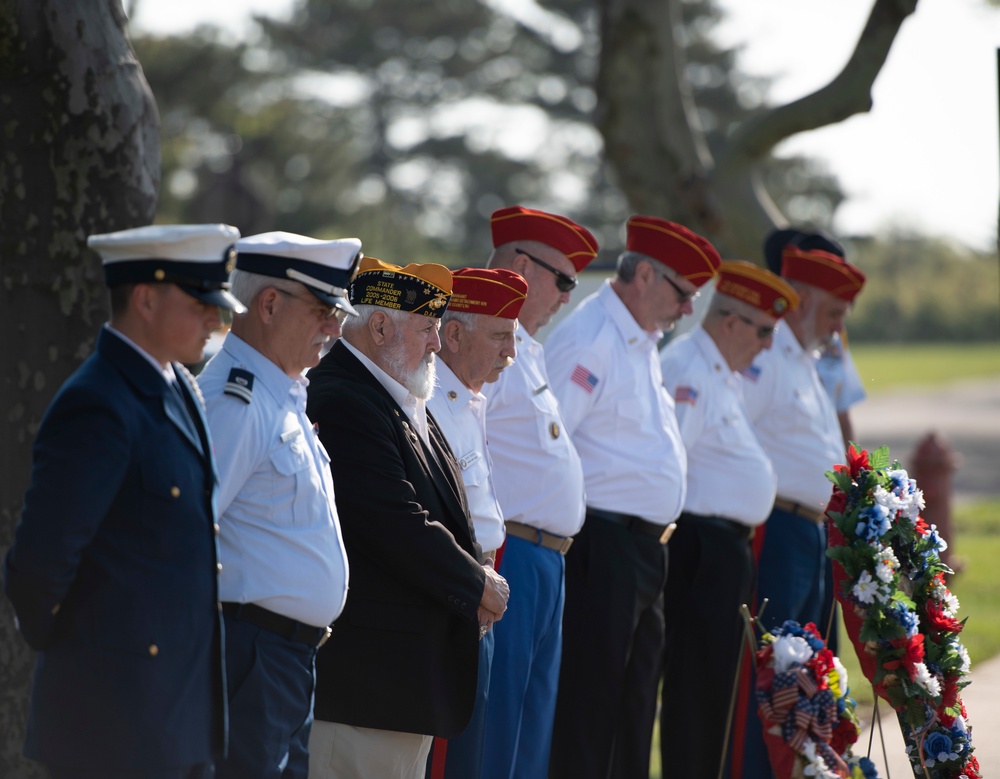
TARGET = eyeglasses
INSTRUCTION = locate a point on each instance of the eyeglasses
(564, 282)
(682, 296)
(321, 312)
(763, 331)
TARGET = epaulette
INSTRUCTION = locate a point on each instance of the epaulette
(240, 384)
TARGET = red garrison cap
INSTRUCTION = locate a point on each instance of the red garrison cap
(824, 270)
(517, 223)
(757, 287)
(692, 256)
(489, 291)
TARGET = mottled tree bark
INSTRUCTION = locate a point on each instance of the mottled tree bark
(79, 155)
(656, 148)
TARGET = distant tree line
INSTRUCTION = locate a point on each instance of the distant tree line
(924, 290)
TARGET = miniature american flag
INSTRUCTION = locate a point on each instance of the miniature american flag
(751, 372)
(686, 395)
(583, 378)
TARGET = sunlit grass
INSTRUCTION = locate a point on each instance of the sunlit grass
(885, 367)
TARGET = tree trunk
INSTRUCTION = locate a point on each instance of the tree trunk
(655, 146)
(80, 155)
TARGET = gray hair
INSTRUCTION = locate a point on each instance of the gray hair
(628, 261)
(730, 305)
(365, 312)
(246, 286)
(467, 319)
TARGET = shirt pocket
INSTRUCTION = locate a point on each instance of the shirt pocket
(548, 422)
(806, 402)
(474, 468)
(295, 482)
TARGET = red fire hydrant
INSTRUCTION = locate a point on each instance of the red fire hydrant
(933, 463)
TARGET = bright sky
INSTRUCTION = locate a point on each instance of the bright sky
(926, 157)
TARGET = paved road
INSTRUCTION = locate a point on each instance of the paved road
(982, 701)
(967, 416)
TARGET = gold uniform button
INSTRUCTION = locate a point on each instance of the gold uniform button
(159, 275)
(452, 395)
(218, 567)
(554, 429)
(154, 650)
(175, 492)
(215, 528)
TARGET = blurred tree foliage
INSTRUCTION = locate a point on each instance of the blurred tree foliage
(924, 290)
(407, 123)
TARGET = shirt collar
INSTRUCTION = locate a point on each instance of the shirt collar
(710, 351)
(524, 338)
(454, 392)
(167, 373)
(278, 383)
(633, 335)
(786, 342)
(399, 393)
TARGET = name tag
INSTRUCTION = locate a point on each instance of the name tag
(288, 435)
(469, 460)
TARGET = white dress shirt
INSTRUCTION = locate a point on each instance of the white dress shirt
(728, 475)
(461, 415)
(536, 469)
(605, 370)
(280, 543)
(794, 419)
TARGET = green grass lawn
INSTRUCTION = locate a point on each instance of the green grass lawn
(885, 367)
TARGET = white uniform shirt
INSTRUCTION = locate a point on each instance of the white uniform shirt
(605, 370)
(840, 376)
(280, 543)
(794, 419)
(536, 469)
(728, 474)
(461, 415)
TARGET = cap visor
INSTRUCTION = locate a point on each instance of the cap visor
(217, 297)
(337, 301)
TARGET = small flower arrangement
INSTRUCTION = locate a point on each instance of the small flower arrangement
(804, 704)
(898, 610)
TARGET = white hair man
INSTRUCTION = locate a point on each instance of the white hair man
(401, 665)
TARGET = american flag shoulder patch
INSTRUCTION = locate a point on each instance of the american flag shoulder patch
(751, 372)
(685, 395)
(584, 378)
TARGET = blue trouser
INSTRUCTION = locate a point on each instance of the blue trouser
(464, 753)
(271, 682)
(525, 664)
(791, 573)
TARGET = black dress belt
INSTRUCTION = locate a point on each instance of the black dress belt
(729, 525)
(286, 627)
(635, 524)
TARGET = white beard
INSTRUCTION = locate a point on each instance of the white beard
(421, 381)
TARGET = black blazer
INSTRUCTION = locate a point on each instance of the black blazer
(112, 573)
(404, 654)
